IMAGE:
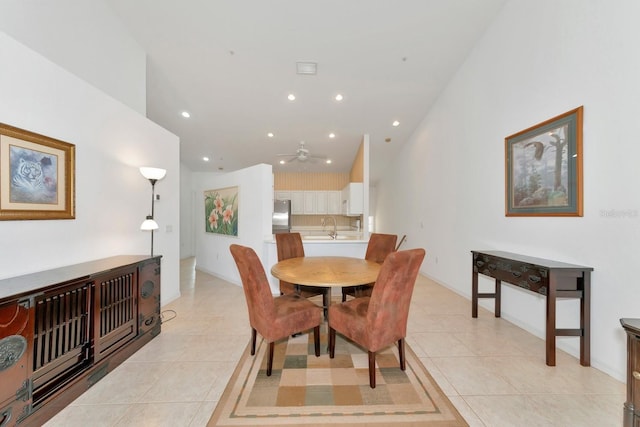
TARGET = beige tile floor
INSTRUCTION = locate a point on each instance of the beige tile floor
(493, 371)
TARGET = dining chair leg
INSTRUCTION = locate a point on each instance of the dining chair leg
(316, 340)
(403, 364)
(270, 358)
(372, 369)
(253, 341)
(332, 343)
(344, 295)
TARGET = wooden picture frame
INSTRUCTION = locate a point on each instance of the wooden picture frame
(544, 168)
(37, 176)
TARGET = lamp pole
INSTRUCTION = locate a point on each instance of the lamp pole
(153, 202)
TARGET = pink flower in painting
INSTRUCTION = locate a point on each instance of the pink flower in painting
(227, 215)
(218, 203)
(213, 219)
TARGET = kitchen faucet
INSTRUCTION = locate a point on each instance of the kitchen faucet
(334, 234)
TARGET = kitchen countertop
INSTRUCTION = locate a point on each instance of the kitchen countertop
(319, 236)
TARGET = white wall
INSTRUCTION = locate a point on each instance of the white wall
(255, 205)
(187, 207)
(538, 59)
(112, 198)
(86, 38)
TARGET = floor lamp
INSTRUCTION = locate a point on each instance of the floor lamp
(153, 175)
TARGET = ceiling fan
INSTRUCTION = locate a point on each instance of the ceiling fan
(302, 154)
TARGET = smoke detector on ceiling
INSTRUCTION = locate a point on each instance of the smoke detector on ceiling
(309, 68)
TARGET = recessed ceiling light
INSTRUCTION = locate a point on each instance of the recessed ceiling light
(328, 161)
(186, 114)
(282, 162)
(270, 134)
(339, 97)
(396, 123)
(291, 97)
(205, 158)
(332, 135)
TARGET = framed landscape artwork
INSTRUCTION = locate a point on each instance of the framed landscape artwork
(221, 211)
(544, 168)
(37, 176)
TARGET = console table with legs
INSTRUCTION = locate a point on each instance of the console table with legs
(546, 277)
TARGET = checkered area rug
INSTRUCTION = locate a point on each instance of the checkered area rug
(316, 391)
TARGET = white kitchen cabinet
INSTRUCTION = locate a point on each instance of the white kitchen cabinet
(282, 195)
(297, 202)
(353, 199)
(312, 202)
(309, 203)
(321, 202)
(334, 202)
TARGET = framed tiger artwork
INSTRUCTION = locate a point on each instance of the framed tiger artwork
(37, 176)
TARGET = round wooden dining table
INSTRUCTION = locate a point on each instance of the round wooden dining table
(326, 271)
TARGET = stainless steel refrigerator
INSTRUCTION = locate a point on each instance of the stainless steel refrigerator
(281, 220)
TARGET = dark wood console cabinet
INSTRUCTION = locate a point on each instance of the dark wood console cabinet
(546, 277)
(62, 330)
(631, 410)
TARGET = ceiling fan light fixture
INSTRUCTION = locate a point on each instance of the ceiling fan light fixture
(291, 97)
(306, 68)
(339, 97)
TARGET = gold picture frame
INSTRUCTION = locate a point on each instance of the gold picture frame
(37, 176)
(544, 168)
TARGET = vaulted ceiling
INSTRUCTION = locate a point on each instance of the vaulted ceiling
(232, 64)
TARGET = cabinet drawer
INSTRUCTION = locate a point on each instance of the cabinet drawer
(517, 273)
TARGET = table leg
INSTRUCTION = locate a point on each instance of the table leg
(550, 336)
(585, 319)
(497, 308)
(474, 292)
(326, 300)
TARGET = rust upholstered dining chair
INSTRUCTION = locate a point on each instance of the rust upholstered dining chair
(274, 318)
(380, 320)
(289, 245)
(379, 246)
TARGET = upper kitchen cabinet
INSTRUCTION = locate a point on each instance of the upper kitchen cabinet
(310, 202)
(334, 202)
(297, 202)
(283, 195)
(353, 199)
(321, 202)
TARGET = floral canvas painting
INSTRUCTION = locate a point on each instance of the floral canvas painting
(221, 211)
